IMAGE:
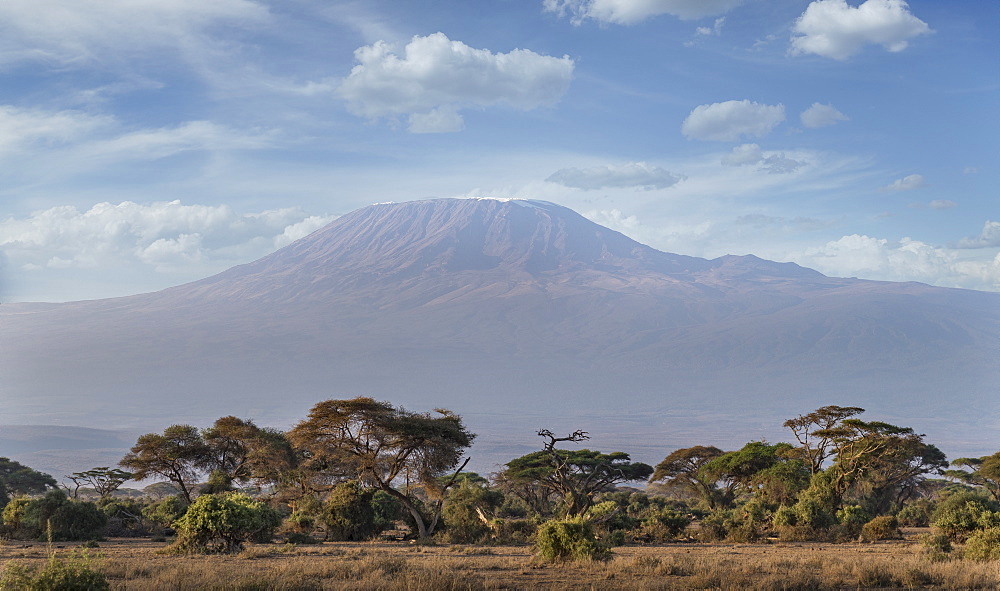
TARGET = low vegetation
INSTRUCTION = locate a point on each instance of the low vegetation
(360, 474)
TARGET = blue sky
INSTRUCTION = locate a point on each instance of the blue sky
(147, 143)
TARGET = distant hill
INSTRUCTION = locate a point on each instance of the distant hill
(59, 450)
(517, 315)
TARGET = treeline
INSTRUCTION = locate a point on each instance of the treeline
(356, 469)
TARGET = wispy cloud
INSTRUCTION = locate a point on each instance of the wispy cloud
(730, 120)
(632, 175)
(630, 12)
(907, 183)
(85, 32)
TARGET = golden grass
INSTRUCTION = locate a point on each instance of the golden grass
(138, 565)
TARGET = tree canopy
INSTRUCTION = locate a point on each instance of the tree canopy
(18, 479)
(176, 455)
(379, 445)
(574, 476)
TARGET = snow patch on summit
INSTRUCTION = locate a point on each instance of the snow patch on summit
(535, 203)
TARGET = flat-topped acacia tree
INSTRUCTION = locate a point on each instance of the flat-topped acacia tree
(379, 444)
(574, 476)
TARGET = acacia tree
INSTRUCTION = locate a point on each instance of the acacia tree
(18, 479)
(682, 468)
(176, 455)
(818, 431)
(237, 450)
(104, 480)
(574, 476)
(379, 444)
(757, 467)
(884, 455)
(983, 472)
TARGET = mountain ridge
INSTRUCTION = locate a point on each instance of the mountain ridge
(484, 305)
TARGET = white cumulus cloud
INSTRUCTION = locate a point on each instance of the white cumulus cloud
(989, 237)
(819, 115)
(630, 12)
(164, 235)
(907, 183)
(436, 77)
(906, 260)
(835, 29)
(730, 120)
(634, 174)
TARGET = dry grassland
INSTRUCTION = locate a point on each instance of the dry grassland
(141, 565)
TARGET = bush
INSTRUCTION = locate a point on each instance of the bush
(983, 545)
(53, 515)
(466, 507)
(853, 517)
(75, 574)
(883, 527)
(715, 525)
(124, 517)
(664, 525)
(222, 523)
(569, 539)
(348, 513)
(167, 511)
(961, 514)
(13, 518)
(916, 514)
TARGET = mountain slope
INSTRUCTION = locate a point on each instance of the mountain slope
(516, 314)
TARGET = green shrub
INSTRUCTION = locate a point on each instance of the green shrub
(853, 516)
(348, 513)
(167, 511)
(514, 531)
(664, 525)
(13, 518)
(983, 545)
(814, 508)
(961, 514)
(883, 527)
(916, 513)
(464, 512)
(569, 539)
(715, 526)
(53, 515)
(222, 523)
(784, 516)
(75, 574)
(124, 517)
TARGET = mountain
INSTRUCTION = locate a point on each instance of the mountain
(517, 315)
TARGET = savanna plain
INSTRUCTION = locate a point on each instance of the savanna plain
(134, 563)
